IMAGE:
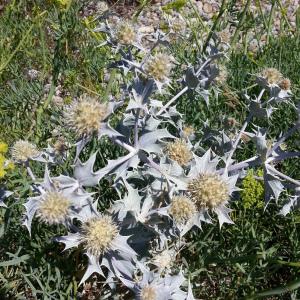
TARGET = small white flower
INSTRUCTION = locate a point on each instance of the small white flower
(182, 209)
(179, 152)
(86, 115)
(125, 33)
(22, 151)
(54, 208)
(271, 75)
(98, 234)
(159, 67)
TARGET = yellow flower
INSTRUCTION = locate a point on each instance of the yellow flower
(63, 4)
(3, 147)
(252, 191)
(2, 172)
(2, 160)
(10, 165)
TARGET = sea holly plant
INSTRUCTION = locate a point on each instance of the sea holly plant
(172, 177)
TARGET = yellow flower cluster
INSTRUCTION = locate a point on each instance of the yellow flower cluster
(252, 191)
(63, 4)
(5, 165)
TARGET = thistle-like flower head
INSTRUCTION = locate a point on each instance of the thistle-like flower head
(23, 150)
(159, 67)
(125, 33)
(285, 84)
(54, 208)
(208, 190)
(60, 199)
(222, 75)
(182, 209)
(271, 75)
(152, 286)
(188, 131)
(179, 152)
(98, 234)
(86, 115)
(164, 260)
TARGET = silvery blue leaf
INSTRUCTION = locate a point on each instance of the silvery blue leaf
(80, 144)
(286, 209)
(152, 124)
(4, 194)
(148, 139)
(223, 215)
(191, 80)
(93, 267)
(141, 91)
(273, 186)
(71, 240)
(84, 173)
(31, 206)
(190, 295)
(108, 131)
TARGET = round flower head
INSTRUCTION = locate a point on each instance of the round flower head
(164, 260)
(86, 115)
(224, 36)
(285, 84)
(54, 208)
(101, 7)
(125, 33)
(272, 75)
(178, 25)
(23, 150)
(188, 131)
(179, 152)
(222, 75)
(60, 146)
(182, 209)
(208, 190)
(159, 67)
(98, 234)
(152, 286)
(104, 246)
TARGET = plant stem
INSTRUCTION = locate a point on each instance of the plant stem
(241, 23)
(228, 161)
(136, 123)
(285, 136)
(185, 89)
(124, 145)
(283, 176)
(270, 21)
(216, 23)
(30, 173)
